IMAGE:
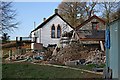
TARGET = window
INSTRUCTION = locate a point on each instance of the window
(95, 25)
(36, 33)
(58, 31)
(53, 31)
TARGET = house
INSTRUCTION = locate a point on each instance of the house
(113, 49)
(49, 32)
(91, 31)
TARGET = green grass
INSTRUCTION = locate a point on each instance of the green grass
(89, 66)
(27, 70)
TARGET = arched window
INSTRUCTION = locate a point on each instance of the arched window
(53, 31)
(58, 31)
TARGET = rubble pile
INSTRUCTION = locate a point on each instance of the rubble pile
(77, 51)
(97, 57)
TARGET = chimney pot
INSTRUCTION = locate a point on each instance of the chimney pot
(44, 19)
(56, 10)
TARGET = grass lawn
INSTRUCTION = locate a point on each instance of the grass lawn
(89, 66)
(27, 70)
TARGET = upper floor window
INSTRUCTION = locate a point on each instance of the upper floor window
(95, 25)
(53, 31)
(58, 31)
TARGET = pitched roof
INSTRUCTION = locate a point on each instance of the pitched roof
(50, 18)
(91, 34)
(88, 20)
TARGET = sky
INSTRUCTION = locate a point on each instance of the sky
(30, 12)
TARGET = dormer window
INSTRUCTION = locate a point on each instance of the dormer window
(94, 25)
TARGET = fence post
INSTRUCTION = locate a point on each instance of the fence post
(10, 54)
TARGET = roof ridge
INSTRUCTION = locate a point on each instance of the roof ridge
(48, 19)
(89, 19)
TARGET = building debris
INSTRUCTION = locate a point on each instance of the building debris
(73, 53)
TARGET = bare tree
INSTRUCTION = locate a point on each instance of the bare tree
(90, 8)
(5, 38)
(76, 12)
(7, 17)
(69, 11)
(116, 15)
(108, 9)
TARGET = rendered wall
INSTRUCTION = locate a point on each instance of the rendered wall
(46, 31)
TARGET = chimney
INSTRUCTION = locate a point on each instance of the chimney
(44, 19)
(56, 11)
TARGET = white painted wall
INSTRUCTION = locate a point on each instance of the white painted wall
(45, 36)
(32, 34)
